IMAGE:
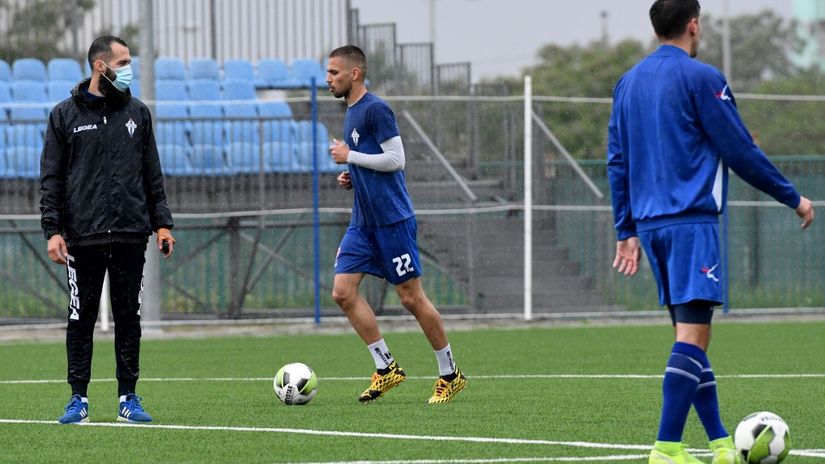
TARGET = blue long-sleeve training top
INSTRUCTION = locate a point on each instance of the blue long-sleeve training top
(673, 133)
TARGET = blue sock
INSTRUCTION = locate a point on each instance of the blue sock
(682, 374)
(706, 403)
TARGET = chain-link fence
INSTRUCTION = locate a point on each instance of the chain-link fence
(241, 190)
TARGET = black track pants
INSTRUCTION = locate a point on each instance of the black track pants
(86, 267)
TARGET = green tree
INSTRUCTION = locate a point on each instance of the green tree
(788, 127)
(38, 27)
(577, 71)
(760, 47)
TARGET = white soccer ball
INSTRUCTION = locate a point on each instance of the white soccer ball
(295, 383)
(763, 438)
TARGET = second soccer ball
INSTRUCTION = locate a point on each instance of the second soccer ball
(763, 438)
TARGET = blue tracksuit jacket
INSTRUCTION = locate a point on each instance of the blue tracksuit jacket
(673, 133)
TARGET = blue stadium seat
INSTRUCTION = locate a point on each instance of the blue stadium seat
(274, 109)
(172, 112)
(203, 92)
(172, 132)
(242, 94)
(280, 157)
(24, 143)
(206, 112)
(136, 68)
(170, 69)
(304, 69)
(5, 170)
(207, 132)
(64, 69)
(174, 160)
(284, 130)
(5, 99)
(204, 68)
(208, 160)
(29, 69)
(241, 104)
(29, 92)
(23, 161)
(134, 88)
(59, 90)
(325, 161)
(25, 135)
(305, 133)
(238, 69)
(5, 71)
(274, 73)
(172, 97)
(244, 157)
(305, 147)
(243, 131)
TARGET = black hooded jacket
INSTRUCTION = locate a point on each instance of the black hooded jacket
(100, 175)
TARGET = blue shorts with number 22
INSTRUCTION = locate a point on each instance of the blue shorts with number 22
(390, 252)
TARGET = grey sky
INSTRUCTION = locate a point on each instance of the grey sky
(502, 36)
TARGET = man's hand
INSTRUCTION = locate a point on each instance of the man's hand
(805, 210)
(344, 181)
(57, 249)
(164, 236)
(339, 151)
(628, 253)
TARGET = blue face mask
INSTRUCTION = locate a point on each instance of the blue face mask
(123, 79)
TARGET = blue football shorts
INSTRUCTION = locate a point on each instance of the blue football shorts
(685, 262)
(389, 252)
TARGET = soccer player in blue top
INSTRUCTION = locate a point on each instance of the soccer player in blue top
(381, 237)
(674, 132)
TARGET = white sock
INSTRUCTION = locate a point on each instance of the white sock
(446, 365)
(84, 399)
(122, 398)
(380, 354)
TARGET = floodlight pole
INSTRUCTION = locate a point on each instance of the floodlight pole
(528, 198)
(316, 218)
(151, 301)
(726, 58)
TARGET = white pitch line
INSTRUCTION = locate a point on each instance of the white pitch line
(620, 457)
(475, 377)
(811, 453)
(391, 436)
(336, 433)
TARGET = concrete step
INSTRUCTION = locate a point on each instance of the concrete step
(498, 300)
(499, 254)
(541, 283)
(496, 252)
(571, 302)
(556, 270)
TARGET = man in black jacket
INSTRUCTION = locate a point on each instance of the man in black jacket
(102, 197)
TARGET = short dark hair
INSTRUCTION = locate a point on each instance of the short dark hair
(671, 17)
(102, 47)
(353, 54)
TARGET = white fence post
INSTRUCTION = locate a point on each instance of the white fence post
(528, 198)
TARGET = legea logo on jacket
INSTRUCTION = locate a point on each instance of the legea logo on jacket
(723, 94)
(85, 128)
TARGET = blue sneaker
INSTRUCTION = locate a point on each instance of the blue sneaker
(131, 410)
(77, 411)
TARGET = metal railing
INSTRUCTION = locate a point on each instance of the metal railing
(186, 29)
(244, 226)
